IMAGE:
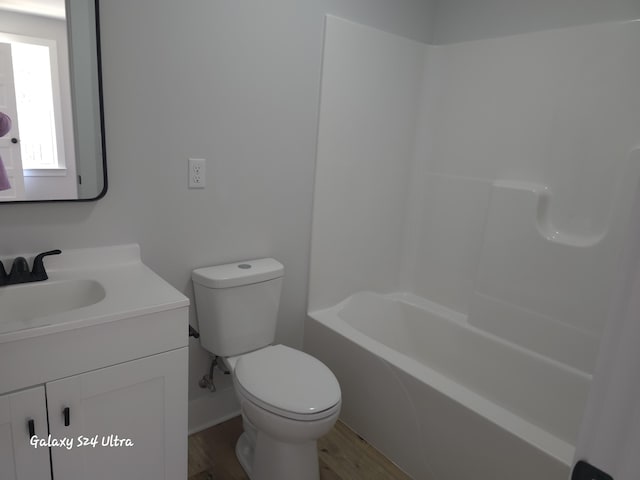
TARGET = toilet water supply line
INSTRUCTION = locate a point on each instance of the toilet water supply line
(207, 380)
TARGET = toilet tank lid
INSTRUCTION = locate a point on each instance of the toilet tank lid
(239, 273)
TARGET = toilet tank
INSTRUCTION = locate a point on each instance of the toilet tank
(237, 305)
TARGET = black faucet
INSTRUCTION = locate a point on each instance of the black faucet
(20, 273)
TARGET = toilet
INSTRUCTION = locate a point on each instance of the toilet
(288, 398)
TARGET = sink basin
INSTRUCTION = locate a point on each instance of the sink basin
(100, 306)
(86, 288)
(26, 302)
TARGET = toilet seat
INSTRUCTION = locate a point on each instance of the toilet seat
(287, 382)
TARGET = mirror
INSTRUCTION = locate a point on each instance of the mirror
(50, 88)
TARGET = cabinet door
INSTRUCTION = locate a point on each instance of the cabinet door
(18, 459)
(144, 401)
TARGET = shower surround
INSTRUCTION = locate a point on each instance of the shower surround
(488, 185)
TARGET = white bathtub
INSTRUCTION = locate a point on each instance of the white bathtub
(443, 399)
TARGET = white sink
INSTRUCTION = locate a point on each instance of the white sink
(85, 287)
(99, 307)
(24, 303)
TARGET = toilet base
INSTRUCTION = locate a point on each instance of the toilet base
(270, 459)
(273, 447)
(244, 452)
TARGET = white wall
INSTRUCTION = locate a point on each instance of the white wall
(234, 82)
(461, 20)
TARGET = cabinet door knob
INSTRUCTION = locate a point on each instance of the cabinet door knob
(31, 425)
(66, 412)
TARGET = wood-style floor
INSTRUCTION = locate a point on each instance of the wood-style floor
(343, 456)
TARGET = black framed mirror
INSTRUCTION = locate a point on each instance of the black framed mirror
(51, 90)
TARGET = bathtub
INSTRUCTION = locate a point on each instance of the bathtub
(443, 399)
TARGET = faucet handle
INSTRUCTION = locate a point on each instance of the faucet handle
(19, 271)
(38, 271)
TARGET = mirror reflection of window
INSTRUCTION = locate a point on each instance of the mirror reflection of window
(56, 153)
(35, 104)
(47, 163)
(42, 149)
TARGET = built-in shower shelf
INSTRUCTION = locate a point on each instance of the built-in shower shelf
(534, 277)
(532, 200)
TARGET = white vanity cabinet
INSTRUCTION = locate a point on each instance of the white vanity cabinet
(97, 358)
(127, 421)
(18, 459)
(124, 421)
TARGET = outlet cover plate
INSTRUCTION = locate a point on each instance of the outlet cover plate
(197, 173)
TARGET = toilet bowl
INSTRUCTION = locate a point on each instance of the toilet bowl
(288, 398)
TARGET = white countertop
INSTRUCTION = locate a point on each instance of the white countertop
(131, 289)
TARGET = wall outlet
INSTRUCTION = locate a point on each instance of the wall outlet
(197, 173)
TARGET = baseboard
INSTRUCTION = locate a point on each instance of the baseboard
(211, 409)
